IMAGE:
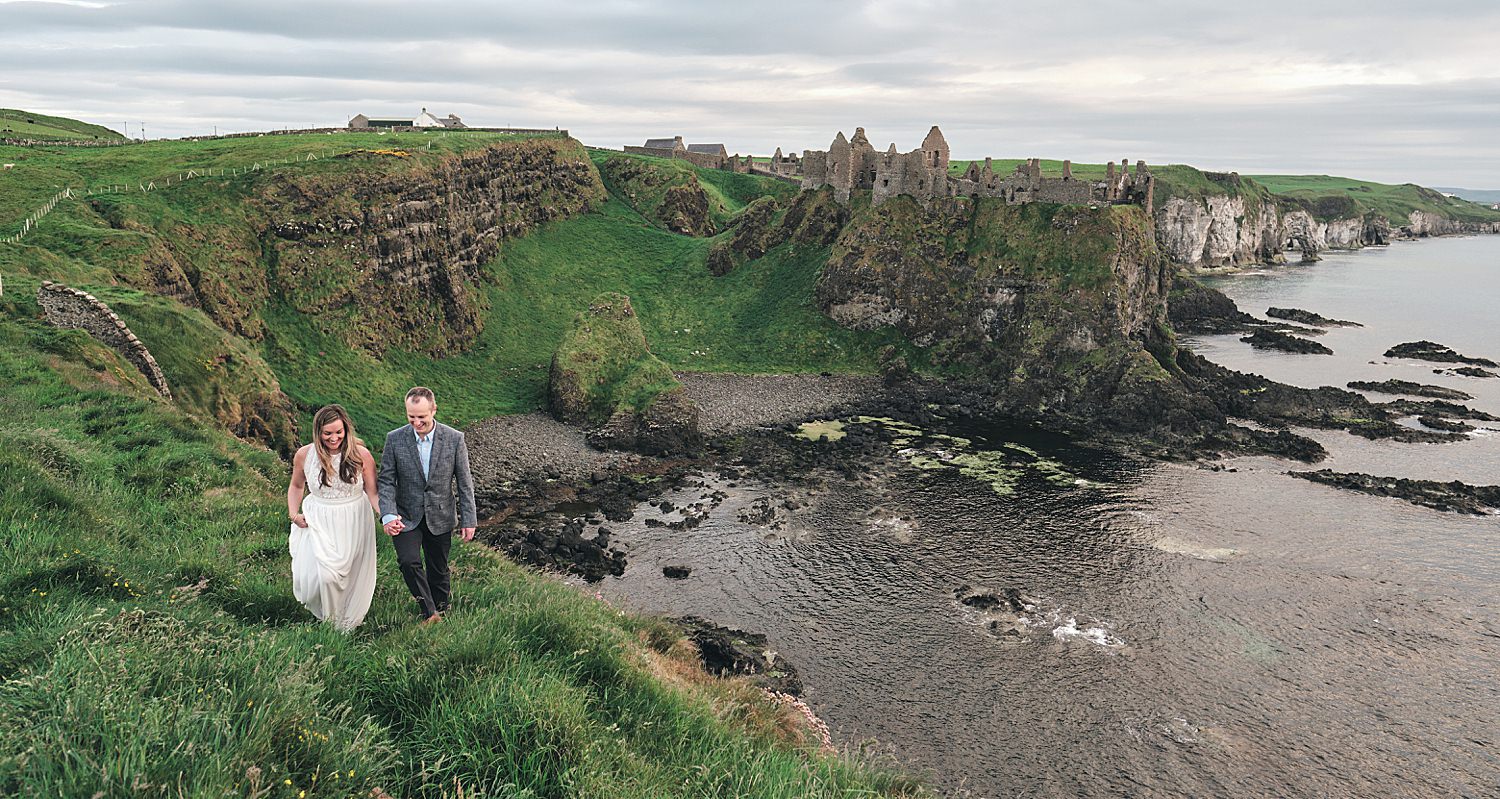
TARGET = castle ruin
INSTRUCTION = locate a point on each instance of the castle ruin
(854, 164)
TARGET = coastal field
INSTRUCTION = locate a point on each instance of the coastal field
(18, 124)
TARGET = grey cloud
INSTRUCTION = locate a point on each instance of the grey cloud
(790, 74)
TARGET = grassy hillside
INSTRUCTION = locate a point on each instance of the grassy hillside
(761, 319)
(17, 124)
(1330, 197)
(151, 644)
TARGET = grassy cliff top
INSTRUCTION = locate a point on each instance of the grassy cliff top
(18, 124)
(1329, 197)
(40, 172)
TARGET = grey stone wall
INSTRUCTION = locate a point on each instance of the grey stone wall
(705, 160)
(850, 165)
(67, 307)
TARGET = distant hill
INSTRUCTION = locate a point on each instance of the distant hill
(1473, 195)
(18, 124)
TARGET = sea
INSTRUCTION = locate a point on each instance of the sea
(1008, 614)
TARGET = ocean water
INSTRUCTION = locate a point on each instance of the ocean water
(1177, 630)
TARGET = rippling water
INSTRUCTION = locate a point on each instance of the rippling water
(1187, 632)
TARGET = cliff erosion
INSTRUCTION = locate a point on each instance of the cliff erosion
(1059, 311)
(1213, 220)
(394, 259)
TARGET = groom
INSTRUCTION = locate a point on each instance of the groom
(421, 464)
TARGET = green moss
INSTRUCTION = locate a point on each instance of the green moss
(603, 364)
(831, 430)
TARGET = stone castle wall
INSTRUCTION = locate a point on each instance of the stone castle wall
(67, 307)
(705, 160)
(850, 165)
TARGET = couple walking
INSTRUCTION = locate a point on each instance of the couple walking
(423, 492)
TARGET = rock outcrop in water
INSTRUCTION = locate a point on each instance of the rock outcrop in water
(1410, 388)
(1194, 308)
(1300, 316)
(1433, 351)
(1276, 340)
(1455, 496)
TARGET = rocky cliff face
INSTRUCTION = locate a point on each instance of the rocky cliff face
(1219, 230)
(385, 256)
(1059, 309)
(1423, 223)
(1223, 230)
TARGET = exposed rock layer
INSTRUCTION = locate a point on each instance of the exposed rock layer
(387, 256)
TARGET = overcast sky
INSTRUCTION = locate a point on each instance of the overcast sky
(1376, 89)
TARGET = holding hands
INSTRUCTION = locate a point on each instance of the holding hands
(394, 526)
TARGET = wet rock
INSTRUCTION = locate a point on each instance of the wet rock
(1408, 387)
(1450, 410)
(1249, 396)
(735, 653)
(1473, 371)
(1009, 599)
(759, 512)
(1432, 351)
(1276, 340)
(1447, 425)
(1455, 496)
(1194, 308)
(558, 547)
(1308, 318)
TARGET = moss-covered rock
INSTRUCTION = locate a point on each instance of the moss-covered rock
(604, 376)
(749, 236)
(684, 209)
(1059, 310)
(665, 192)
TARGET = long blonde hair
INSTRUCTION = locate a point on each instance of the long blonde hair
(350, 462)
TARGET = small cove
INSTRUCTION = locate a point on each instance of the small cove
(1187, 631)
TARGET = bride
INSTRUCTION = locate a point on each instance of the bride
(333, 529)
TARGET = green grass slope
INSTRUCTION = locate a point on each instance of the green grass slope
(18, 124)
(760, 319)
(1328, 197)
(151, 645)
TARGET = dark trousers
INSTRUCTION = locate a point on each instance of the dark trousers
(428, 586)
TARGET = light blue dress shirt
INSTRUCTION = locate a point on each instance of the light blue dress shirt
(424, 453)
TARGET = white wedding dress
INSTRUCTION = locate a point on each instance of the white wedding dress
(333, 557)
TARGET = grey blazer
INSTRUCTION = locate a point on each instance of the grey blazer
(406, 493)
